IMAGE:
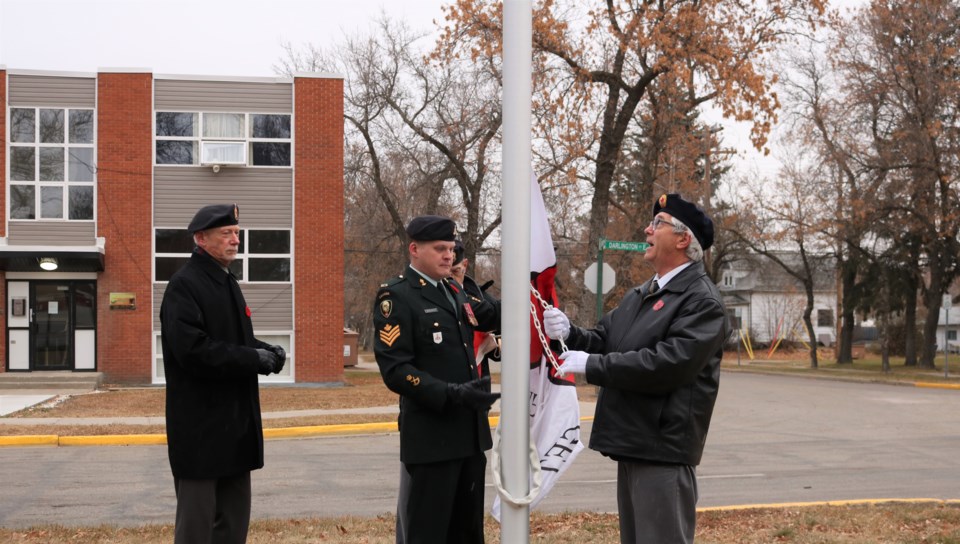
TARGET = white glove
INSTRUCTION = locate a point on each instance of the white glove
(574, 361)
(556, 324)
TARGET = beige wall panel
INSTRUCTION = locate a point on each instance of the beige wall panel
(232, 96)
(264, 195)
(54, 91)
(51, 233)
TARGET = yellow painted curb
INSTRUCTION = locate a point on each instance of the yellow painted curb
(115, 440)
(346, 428)
(161, 439)
(29, 440)
(857, 502)
(934, 385)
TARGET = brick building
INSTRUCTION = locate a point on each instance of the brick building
(103, 172)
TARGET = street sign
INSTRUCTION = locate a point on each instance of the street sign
(624, 246)
(590, 278)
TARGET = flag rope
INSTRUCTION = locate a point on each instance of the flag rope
(537, 475)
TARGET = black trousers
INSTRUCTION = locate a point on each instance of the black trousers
(213, 511)
(442, 502)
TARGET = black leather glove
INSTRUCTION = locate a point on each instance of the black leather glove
(281, 357)
(473, 394)
(267, 362)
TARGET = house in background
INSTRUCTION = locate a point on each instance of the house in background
(103, 171)
(947, 329)
(765, 301)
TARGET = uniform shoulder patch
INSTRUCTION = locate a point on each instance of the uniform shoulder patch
(386, 307)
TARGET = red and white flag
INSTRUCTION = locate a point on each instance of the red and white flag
(554, 408)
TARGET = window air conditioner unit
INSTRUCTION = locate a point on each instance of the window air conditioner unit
(225, 153)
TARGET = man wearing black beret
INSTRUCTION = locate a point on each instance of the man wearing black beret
(211, 361)
(486, 345)
(424, 348)
(656, 358)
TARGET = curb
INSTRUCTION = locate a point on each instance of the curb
(161, 439)
(855, 502)
(934, 385)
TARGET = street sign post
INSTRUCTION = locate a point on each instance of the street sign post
(616, 245)
(624, 246)
(946, 334)
(608, 276)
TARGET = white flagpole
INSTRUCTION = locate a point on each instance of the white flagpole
(515, 267)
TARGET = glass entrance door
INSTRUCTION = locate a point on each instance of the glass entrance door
(52, 327)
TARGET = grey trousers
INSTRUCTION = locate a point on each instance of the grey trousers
(213, 511)
(657, 503)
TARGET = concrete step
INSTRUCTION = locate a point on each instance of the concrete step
(50, 380)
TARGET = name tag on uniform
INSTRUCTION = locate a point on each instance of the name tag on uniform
(437, 337)
(430, 310)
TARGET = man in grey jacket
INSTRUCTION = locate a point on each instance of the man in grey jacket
(656, 358)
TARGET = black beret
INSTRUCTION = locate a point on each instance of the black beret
(426, 228)
(457, 251)
(215, 215)
(689, 214)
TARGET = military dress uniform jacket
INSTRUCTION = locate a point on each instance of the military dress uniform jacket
(422, 343)
(657, 360)
(210, 361)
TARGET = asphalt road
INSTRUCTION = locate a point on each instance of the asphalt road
(773, 439)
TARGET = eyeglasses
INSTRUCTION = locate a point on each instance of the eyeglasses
(657, 221)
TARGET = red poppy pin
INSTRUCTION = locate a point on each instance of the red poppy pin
(658, 305)
(249, 313)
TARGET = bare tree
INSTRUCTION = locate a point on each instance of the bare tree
(614, 52)
(785, 217)
(900, 61)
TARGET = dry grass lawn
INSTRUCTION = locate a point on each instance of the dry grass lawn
(874, 524)
(361, 389)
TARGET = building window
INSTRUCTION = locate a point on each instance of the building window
(52, 170)
(951, 335)
(824, 318)
(252, 139)
(263, 255)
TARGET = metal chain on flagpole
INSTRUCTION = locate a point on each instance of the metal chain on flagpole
(536, 474)
(548, 353)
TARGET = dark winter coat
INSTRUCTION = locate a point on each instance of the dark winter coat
(657, 360)
(210, 362)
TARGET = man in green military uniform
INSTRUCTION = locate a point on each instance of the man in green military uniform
(424, 348)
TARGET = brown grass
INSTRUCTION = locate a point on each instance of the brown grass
(360, 389)
(883, 523)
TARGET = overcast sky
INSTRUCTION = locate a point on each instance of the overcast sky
(202, 37)
(218, 37)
